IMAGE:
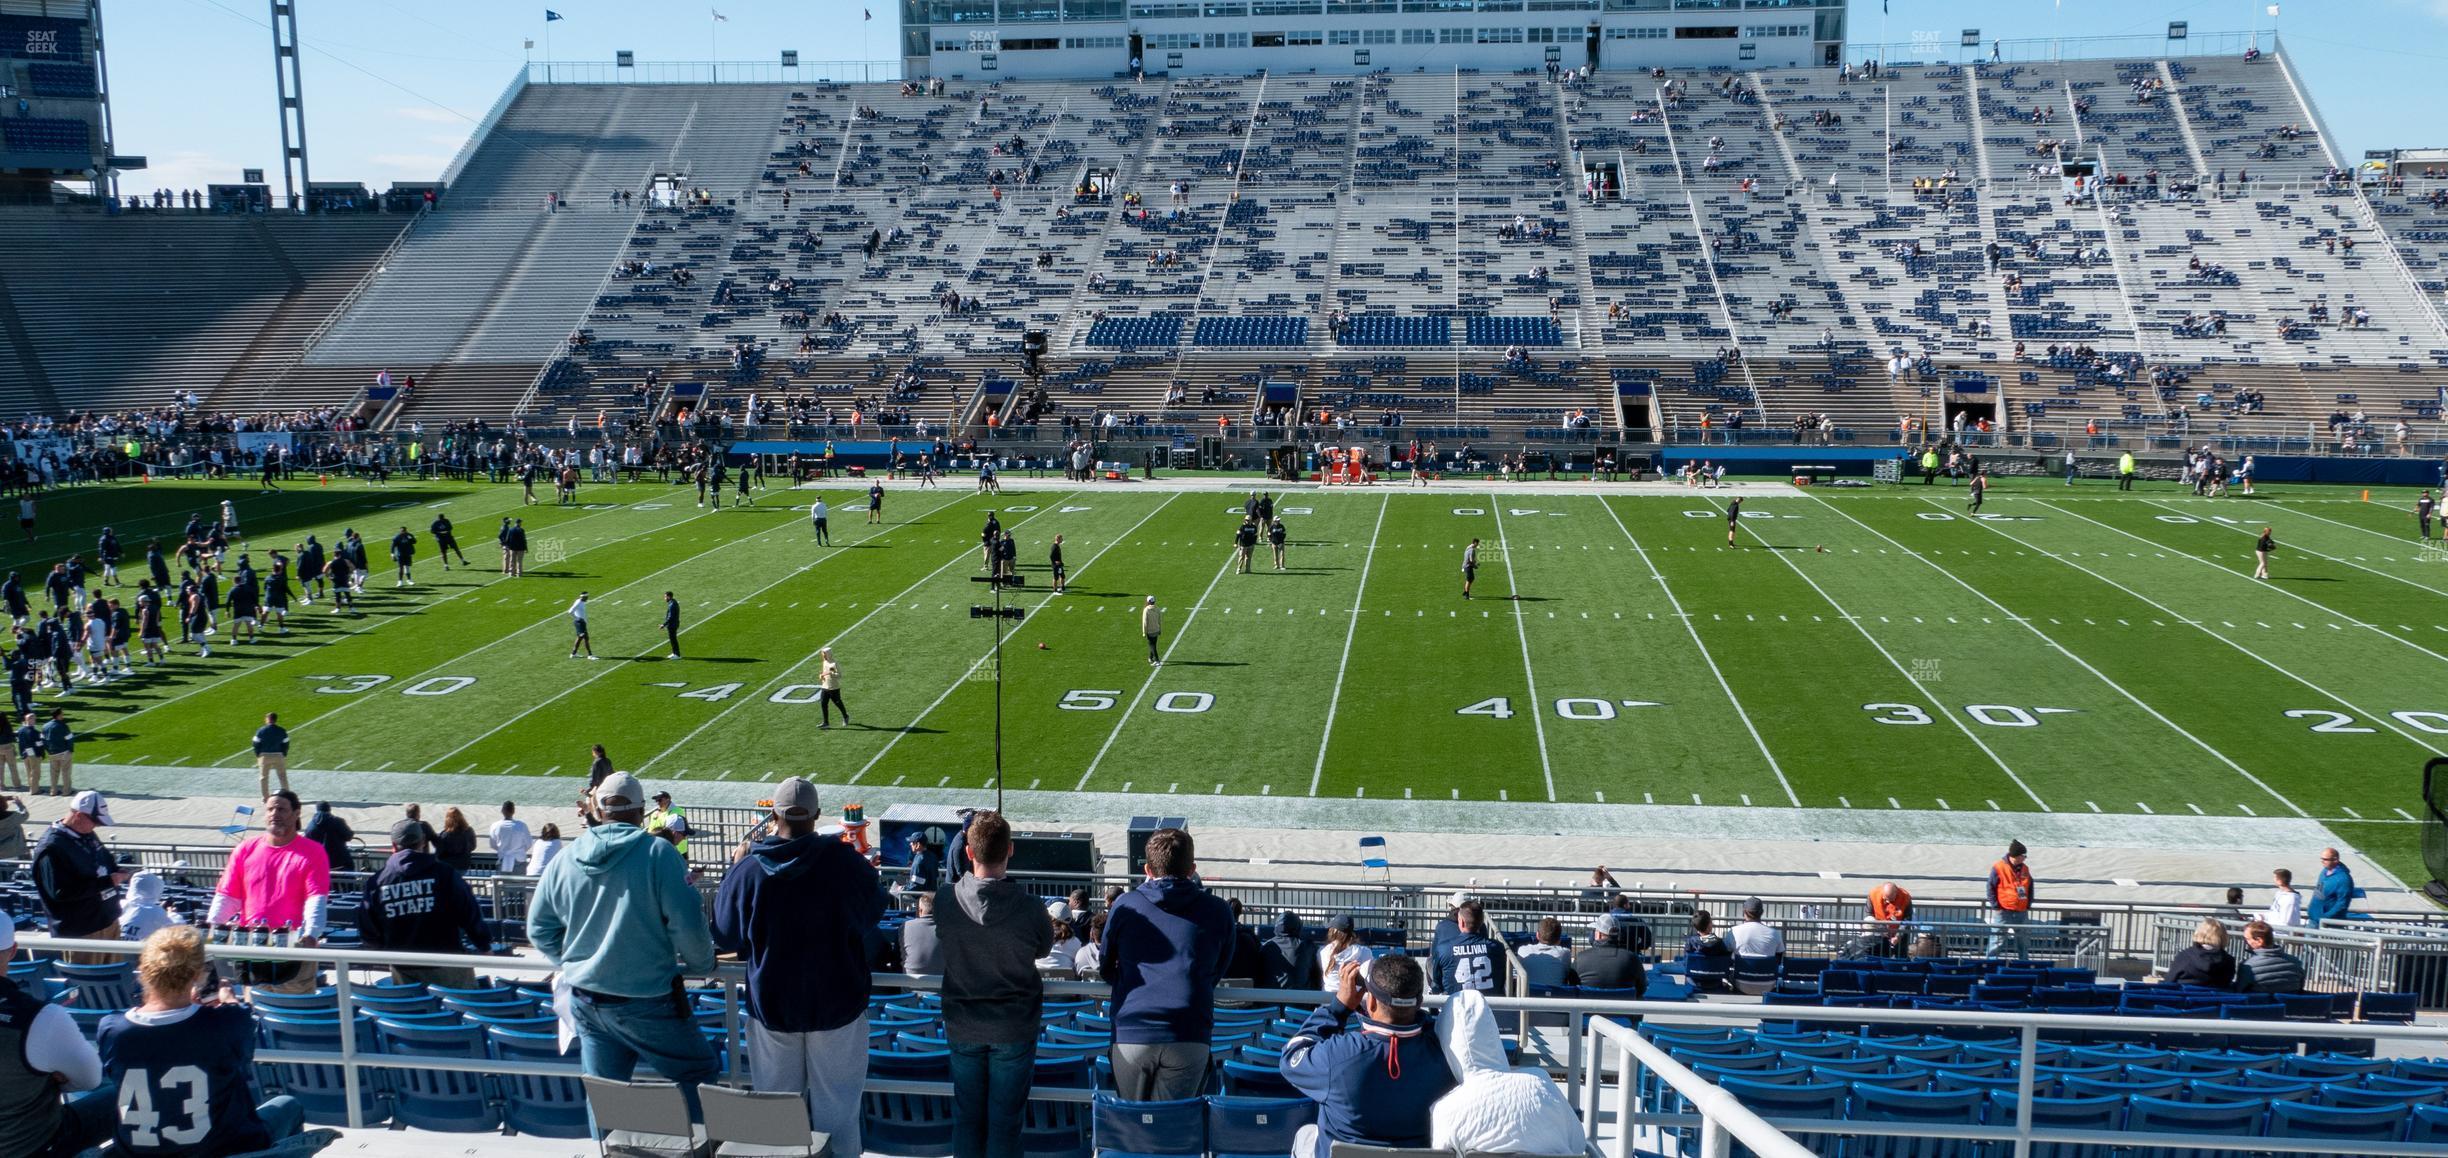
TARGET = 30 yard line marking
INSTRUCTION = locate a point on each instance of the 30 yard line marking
(1677, 606)
(764, 688)
(2061, 649)
(1538, 719)
(1898, 665)
(789, 573)
(1334, 701)
(2264, 661)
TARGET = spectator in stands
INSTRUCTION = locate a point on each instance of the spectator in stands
(1291, 958)
(547, 846)
(2206, 961)
(1377, 1083)
(1891, 907)
(13, 817)
(455, 845)
(1610, 962)
(1755, 938)
(1247, 962)
(1703, 946)
(1545, 960)
(2010, 899)
(2266, 968)
(2333, 893)
(42, 1053)
(1342, 948)
(142, 914)
(797, 908)
(1061, 962)
(190, 1066)
(278, 881)
(77, 879)
(510, 840)
(418, 903)
(620, 887)
(1470, 959)
(921, 953)
(327, 829)
(1496, 1109)
(2286, 907)
(416, 812)
(1165, 945)
(992, 934)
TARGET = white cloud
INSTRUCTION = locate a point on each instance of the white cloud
(431, 115)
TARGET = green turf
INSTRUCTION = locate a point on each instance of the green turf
(2081, 650)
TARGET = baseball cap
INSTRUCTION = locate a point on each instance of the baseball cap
(1151, 599)
(1339, 923)
(91, 804)
(1604, 926)
(795, 799)
(1458, 899)
(620, 790)
(408, 834)
(662, 795)
(1059, 910)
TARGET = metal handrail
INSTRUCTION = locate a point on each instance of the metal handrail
(484, 129)
(1724, 1120)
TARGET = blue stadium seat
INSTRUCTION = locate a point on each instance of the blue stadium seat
(321, 1089)
(547, 1107)
(2367, 1125)
(2429, 1125)
(1150, 1129)
(106, 987)
(1051, 1129)
(1821, 1101)
(1239, 1127)
(2093, 1113)
(1873, 1103)
(2154, 1115)
(443, 1100)
(1253, 1081)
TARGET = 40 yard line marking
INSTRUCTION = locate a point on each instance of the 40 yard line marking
(1334, 701)
(1881, 648)
(1538, 719)
(2061, 649)
(1705, 657)
(788, 574)
(966, 553)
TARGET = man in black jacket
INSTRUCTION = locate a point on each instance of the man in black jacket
(417, 904)
(798, 907)
(327, 829)
(1610, 962)
(1291, 956)
(78, 879)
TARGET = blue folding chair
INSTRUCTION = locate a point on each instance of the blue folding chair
(1256, 1127)
(1150, 1129)
(1373, 857)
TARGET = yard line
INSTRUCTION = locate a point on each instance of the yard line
(318, 648)
(2242, 530)
(1154, 670)
(553, 618)
(2398, 539)
(2204, 628)
(2061, 649)
(966, 552)
(2305, 600)
(1344, 664)
(1898, 665)
(1538, 719)
(1705, 657)
(787, 576)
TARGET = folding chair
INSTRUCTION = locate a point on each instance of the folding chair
(1373, 858)
(754, 1124)
(242, 822)
(643, 1120)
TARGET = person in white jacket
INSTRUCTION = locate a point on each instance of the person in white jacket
(1496, 1109)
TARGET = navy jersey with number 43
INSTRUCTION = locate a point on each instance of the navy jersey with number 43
(185, 1085)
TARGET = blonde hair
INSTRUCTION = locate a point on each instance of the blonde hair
(172, 962)
(2210, 934)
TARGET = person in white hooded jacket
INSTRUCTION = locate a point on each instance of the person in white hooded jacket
(1496, 1109)
(141, 915)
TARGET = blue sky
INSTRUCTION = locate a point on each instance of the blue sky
(394, 86)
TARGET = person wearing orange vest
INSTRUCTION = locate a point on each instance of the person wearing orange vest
(1890, 908)
(2010, 898)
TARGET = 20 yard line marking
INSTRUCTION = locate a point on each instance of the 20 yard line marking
(1881, 648)
(1677, 606)
(1538, 719)
(1318, 774)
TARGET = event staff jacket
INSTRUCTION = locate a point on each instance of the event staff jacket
(2010, 888)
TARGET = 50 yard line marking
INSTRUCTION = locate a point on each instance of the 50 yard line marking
(1538, 716)
(2044, 637)
(983, 657)
(1676, 605)
(1367, 557)
(1881, 648)
(966, 552)
(1155, 670)
(787, 575)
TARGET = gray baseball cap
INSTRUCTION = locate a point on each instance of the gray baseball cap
(795, 799)
(620, 790)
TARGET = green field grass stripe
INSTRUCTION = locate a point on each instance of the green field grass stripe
(2300, 549)
(1675, 609)
(1351, 629)
(1753, 530)
(2044, 637)
(787, 574)
(2354, 620)
(2202, 626)
(1171, 645)
(770, 684)
(2402, 539)
(1538, 718)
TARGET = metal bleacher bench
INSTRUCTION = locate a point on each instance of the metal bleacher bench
(1817, 472)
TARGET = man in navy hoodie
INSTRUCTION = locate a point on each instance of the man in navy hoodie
(798, 907)
(1165, 944)
(1374, 1082)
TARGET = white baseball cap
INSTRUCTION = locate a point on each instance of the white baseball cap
(91, 804)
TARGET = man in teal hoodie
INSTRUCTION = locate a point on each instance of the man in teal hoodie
(617, 914)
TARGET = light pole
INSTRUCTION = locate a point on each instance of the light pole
(995, 616)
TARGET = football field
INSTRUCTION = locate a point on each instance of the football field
(2073, 650)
